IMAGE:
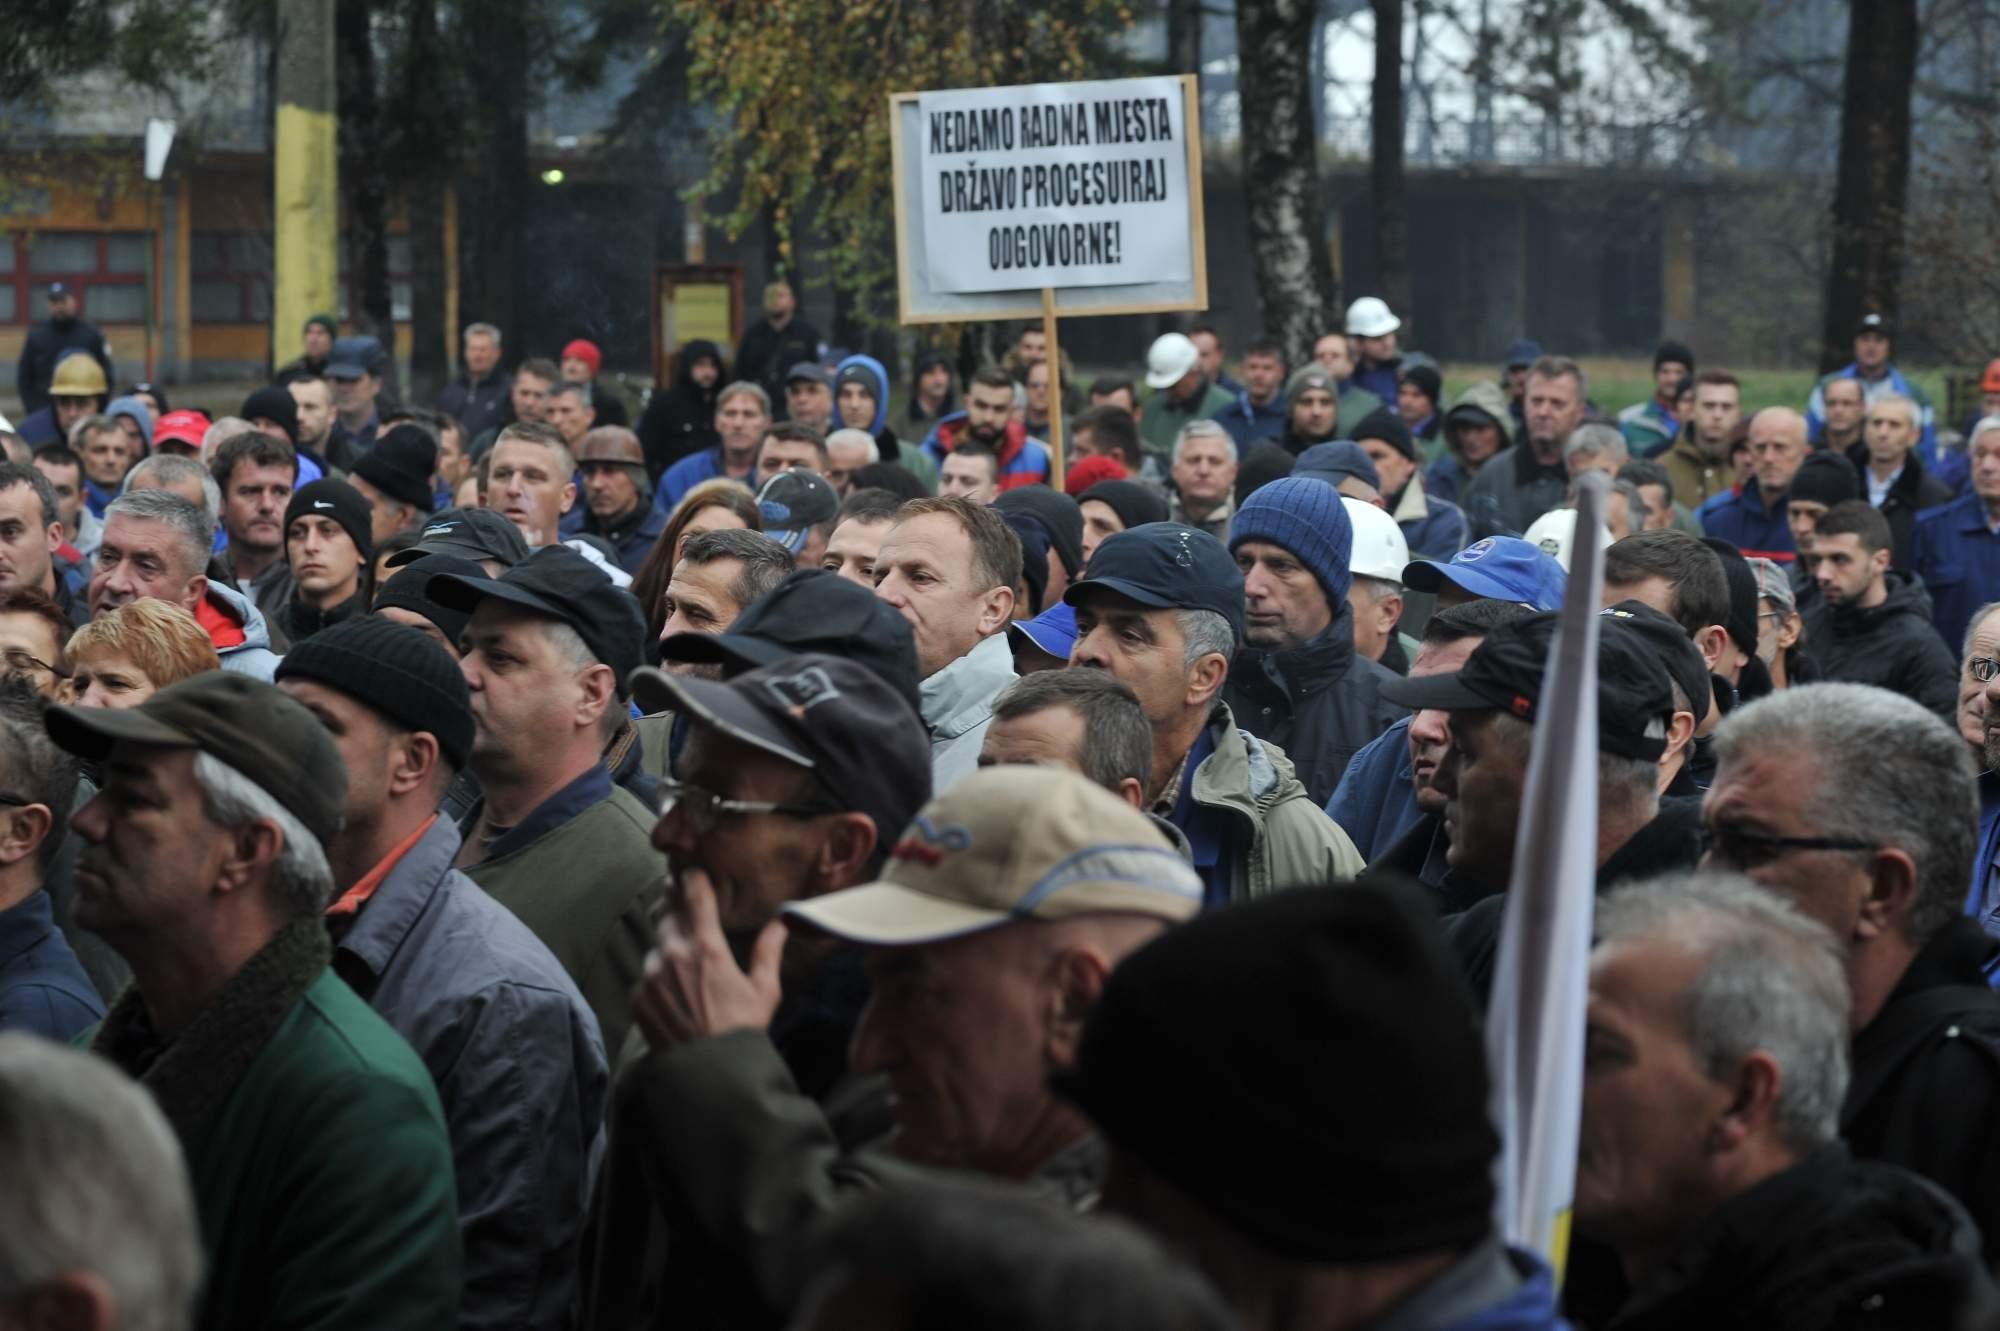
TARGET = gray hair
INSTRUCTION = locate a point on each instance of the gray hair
(95, 1182)
(1117, 737)
(222, 431)
(171, 469)
(194, 530)
(1979, 427)
(1378, 589)
(1561, 367)
(1972, 627)
(1595, 440)
(1205, 632)
(1624, 785)
(301, 878)
(1770, 980)
(1879, 764)
(872, 450)
(765, 562)
(744, 388)
(484, 330)
(1204, 430)
(1910, 411)
(89, 426)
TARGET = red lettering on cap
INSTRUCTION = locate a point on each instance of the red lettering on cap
(913, 848)
(1522, 707)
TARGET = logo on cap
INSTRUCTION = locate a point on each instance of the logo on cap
(927, 842)
(1184, 553)
(439, 529)
(1473, 553)
(802, 692)
(321, 503)
(1522, 707)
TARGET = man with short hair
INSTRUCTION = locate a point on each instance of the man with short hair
(1082, 720)
(1204, 476)
(1208, 342)
(478, 397)
(1161, 609)
(529, 482)
(770, 348)
(1879, 631)
(1756, 519)
(355, 368)
(618, 495)
(256, 475)
(809, 397)
(1519, 484)
(1860, 809)
(1299, 684)
(320, 1162)
(1108, 430)
(1258, 411)
(327, 548)
(44, 989)
(312, 399)
(546, 655)
(933, 390)
(1683, 579)
(865, 518)
(1182, 392)
(31, 541)
(988, 422)
(527, 401)
(1955, 550)
(787, 445)
(156, 544)
(1430, 527)
(848, 450)
(570, 412)
(107, 456)
(63, 470)
(1874, 340)
(1709, 1161)
(316, 349)
(742, 418)
(1650, 427)
(1898, 484)
(1698, 462)
(1846, 405)
(1329, 980)
(1111, 391)
(1656, 494)
(1595, 447)
(510, 1043)
(396, 478)
(948, 567)
(720, 574)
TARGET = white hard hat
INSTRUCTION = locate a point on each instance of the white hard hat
(1379, 550)
(1370, 317)
(1554, 534)
(1172, 356)
(6, 426)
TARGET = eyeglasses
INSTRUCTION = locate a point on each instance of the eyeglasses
(704, 808)
(1748, 850)
(25, 663)
(1983, 668)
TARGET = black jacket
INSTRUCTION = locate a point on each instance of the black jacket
(1925, 1092)
(302, 619)
(1319, 704)
(680, 420)
(479, 404)
(1830, 1244)
(766, 354)
(1511, 491)
(44, 346)
(1909, 494)
(1893, 646)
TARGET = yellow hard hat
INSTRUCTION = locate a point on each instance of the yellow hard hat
(78, 375)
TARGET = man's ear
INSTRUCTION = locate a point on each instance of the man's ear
(1075, 981)
(1752, 1102)
(1711, 640)
(997, 611)
(1892, 891)
(23, 830)
(195, 592)
(1206, 678)
(600, 692)
(844, 855)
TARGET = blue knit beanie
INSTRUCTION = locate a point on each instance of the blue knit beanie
(1304, 516)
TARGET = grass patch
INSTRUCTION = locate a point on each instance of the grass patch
(1617, 384)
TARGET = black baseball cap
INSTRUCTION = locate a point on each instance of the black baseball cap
(833, 717)
(254, 727)
(409, 588)
(559, 583)
(1875, 323)
(1167, 566)
(1505, 673)
(811, 611)
(1677, 653)
(468, 533)
(810, 371)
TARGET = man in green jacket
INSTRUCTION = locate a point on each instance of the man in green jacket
(1181, 392)
(321, 1169)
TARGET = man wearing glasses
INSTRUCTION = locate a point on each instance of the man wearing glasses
(32, 631)
(1861, 807)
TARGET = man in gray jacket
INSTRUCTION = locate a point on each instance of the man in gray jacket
(512, 1046)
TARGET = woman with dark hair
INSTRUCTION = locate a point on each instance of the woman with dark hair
(710, 506)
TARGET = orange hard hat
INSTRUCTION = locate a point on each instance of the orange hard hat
(1990, 381)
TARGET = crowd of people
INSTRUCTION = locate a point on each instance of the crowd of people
(777, 853)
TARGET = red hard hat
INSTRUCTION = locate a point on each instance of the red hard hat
(186, 427)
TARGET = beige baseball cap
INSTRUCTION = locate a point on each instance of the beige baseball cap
(1012, 843)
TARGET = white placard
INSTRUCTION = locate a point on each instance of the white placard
(1055, 185)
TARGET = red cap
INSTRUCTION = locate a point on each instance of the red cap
(586, 352)
(1990, 381)
(1089, 471)
(186, 427)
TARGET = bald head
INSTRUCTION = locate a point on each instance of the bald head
(1777, 447)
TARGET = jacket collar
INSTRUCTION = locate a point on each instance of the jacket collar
(379, 930)
(25, 924)
(1412, 506)
(966, 686)
(194, 1075)
(644, 520)
(1312, 666)
(1528, 468)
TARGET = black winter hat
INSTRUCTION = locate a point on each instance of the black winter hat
(395, 670)
(1132, 502)
(1742, 581)
(1674, 353)
(1033, 534)
(340, 501)
(1825, 477)
(1061, 518)
(1386, 425)
(400, 465)
(413, 593)
(273, 403)
(1285, 997)
(1427, 379)
(1264, 463)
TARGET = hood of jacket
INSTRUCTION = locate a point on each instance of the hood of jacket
(684, 385)
(1906, 597)
(1243, 775)
(256, 633)
(1480, 398)
(881, 378)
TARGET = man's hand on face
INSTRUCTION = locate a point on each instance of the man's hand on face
(693, 987)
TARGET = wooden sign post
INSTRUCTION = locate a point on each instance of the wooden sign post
(1054, 352)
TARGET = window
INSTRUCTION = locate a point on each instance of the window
(106, 270)
(229, 277)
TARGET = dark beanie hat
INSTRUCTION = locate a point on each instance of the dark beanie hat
(1742, 581)
(1306, 517)
(1427, 381)
(1062, 521)
(328, 498)
(1674, 353)
(1264, 463)
(1134, 504)
(395, 670)
(400, 466)
(413, 593)
(1825, 477)
(1387, 426)
(273, 403)
(1286, 997)
(1034, 537)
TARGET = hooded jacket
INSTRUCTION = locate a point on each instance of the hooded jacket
(1023, 461)
(1448, 477)
(238, 631)
(887, 441)
(1912, 492)
(1892, 646)
(1320, 702)
(681, 421)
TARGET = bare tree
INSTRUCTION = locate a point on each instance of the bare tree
(1385, 174)
(1873, 186)
(1281, 172)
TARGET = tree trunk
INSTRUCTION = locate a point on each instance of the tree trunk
(490, 205)
(423, 192)
(1184, 19)
(1281, 172)
(1385, 175)
(364, 181)
(1867, 270)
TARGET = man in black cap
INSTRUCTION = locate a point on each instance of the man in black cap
(327, 548)
(1493, 701)
(406, 600)
(1323, 982)
(1161, 608)
(355, 369)
(477, 534)
(398, 479)
(319, 334)
(547, 654)
(1651, 426)
(1061, 520)
(255, 475)
(318, 1153)
(809, 396)
(513, 1048)
(1432, 528)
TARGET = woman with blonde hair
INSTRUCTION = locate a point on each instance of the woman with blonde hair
(123, 658)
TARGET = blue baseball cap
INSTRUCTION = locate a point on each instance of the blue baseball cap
(353, 357)
(1167, 566)
(1053, 631)
(1499, 568)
